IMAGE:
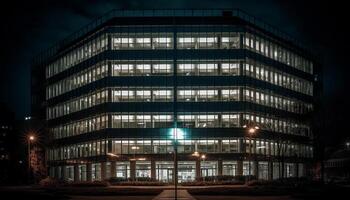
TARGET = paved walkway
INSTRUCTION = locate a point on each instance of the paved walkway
(171, 187)
(170, 194)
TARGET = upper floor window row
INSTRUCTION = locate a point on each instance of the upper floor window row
(184, 68)
(77, 55)
(80, 79)
(277, 52)
(77, 104)
(144, 68)
(188, 120)
(208, 41)
(184, 94)
(230, 68)
(184, 41)
(263, 147)
(144, 41)
(277, 77)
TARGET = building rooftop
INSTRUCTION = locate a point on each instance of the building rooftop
(118, 13)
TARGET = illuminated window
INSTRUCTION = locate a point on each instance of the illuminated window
(143, 43)
(230, 42)
(186, 69)
(230, 120)
(162, 42)
(143, 95)
(230, 68)
(186, 43)
(230, 95)
(207, 95)
(207, 42)
(143, 69)
(162, 95)
(162, 68)
(123, 69)
(207, 69)
(186, 95)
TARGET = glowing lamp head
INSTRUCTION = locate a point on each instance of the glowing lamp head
(112, 155)
(203, 156)
(251, 130)
(177, 133)
(31, 138)
(196, 154)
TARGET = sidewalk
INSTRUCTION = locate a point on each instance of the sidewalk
(170, 194)
(180, 187)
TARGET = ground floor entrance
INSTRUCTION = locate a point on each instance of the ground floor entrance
(187, 170)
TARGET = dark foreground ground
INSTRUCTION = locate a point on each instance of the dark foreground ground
(199, 193)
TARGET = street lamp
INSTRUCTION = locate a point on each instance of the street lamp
(30, 139)
(176, 134)
(112, 155)
(195, 154)
(252, 129)
(203, 158)
(199, 156)
(135, 148)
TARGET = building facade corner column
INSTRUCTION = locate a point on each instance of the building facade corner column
(153, 169)
(198, 169)
(113, 168)
(89, 172)
(63, 172)
(240, 167)
(103, 171)
(76, 173)
(220, 167)
(133, 170)
(270, 170)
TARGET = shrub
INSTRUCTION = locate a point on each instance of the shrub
(258, 183)
(144, 179)
(207, 183)
(113, 180)
(51, 182)
(89, 184)
(140, 183)
(226, 178)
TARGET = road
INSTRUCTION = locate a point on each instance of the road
(196, 197)
(111, 197)
(243, 198)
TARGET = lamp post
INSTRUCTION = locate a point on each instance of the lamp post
(176, 134)
(252, 129)
(30, 139)
(135, 148)
(175, 163)
(203, 158)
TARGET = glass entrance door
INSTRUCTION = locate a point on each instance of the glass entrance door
(229, 168)
(186, 171)
(164, 171)
(208, 168)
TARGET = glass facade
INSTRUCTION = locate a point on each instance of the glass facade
(265, 147)
(277, 52)
(119, 90)
(78, 55)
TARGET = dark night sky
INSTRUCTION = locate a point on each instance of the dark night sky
(28, 27)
